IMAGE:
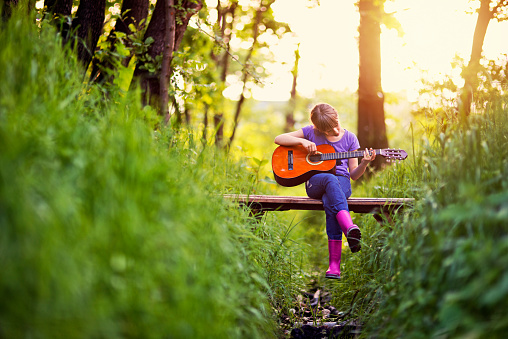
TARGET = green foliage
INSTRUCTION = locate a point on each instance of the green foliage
(195, 80)
(111, 228)
(118, 53)
(443, 94)
(442, 267)
(211, 74)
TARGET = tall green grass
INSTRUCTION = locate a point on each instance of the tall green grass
(111, 228)
(440, 272)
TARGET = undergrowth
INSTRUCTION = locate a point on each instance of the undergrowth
(440, 269)
(113, 228)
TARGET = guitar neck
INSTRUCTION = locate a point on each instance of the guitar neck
(343, 155)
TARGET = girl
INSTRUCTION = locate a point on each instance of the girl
(332, 189)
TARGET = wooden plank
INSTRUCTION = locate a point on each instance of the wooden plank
(285, 203)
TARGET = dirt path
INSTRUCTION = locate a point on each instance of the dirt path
(313, 316)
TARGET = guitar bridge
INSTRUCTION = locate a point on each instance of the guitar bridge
(290, 160)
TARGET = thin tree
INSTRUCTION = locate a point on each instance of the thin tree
(371, 115)
(263, 8)
(489, 9)
(204, 137)
(290, 114)
(169, 43)
(225, 20)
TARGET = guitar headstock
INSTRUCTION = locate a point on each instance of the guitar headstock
(394, 154)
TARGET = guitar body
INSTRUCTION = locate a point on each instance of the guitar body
(291, 166)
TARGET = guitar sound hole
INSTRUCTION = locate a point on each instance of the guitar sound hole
(315, 158)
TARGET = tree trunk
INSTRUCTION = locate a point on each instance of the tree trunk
(169, 43)
(255, 34)
(470, 74)
(59, 9)
(150, 83)
(239, 105)
(7, 9)
(187, 113)
(222, 61)
(133, 12)
(290, 114)
(88, 22)
(205, 125)
(371, 117)
(218, 121)
(227, 31)
(8, 5)
(187, 10)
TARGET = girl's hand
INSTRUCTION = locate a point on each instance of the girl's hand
(309, 145)
(368, 156)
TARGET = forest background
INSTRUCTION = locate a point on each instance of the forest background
(122, 123)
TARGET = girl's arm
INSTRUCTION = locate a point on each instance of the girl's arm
(356, 170)
(294, 139)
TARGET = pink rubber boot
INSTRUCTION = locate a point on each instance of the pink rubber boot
(350, 230)
(334, 252)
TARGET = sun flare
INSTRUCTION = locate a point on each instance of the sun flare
(434, 32)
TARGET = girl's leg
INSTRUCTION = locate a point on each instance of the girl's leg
(352, 232)
(333, 191)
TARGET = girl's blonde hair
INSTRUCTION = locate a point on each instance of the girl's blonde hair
(324, 117)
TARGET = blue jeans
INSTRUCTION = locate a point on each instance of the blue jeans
(333, 191)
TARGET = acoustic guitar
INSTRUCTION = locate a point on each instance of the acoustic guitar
(293, 165)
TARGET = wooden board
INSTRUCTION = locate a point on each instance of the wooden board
(285, 203)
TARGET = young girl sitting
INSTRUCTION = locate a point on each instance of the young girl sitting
(332, 189)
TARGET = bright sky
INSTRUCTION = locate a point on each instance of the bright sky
(434, 32)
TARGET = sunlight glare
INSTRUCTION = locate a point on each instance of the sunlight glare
(435, 31)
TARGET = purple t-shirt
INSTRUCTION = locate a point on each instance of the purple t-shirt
(348, 142)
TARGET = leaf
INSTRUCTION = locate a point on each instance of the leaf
(391, 22)
(132, 28)
(268, 180)
(120, 35)
(260, 162)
